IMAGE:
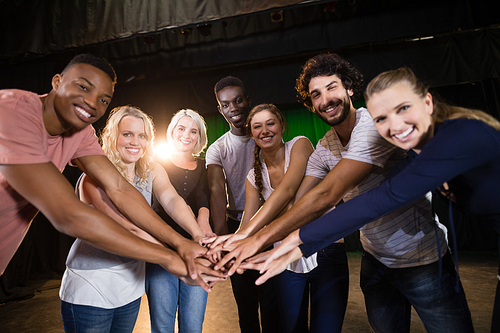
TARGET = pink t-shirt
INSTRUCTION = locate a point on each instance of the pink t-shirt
(24, 140)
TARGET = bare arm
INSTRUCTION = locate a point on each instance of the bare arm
(218, 201)
(48, 190)
(256, 215)
(340, 180)
(308, 183)
(91, 194)
(284, 192)
(204, 221)
(252, 205)
(203, 201)
(346, 175)
(174, 204)
(135, 208)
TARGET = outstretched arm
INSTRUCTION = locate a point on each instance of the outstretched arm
(346, 175)
(91, 194)
(135, 208)
(218, 202)
(277, 201)
(47, 189)
(284, 192)
(340, 180)
(175, 206)
(256, 216)
(203, 202)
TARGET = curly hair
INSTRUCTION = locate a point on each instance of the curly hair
(109, 136)
(257, 166)
(200, 123)
(441, 112)
(328, 64)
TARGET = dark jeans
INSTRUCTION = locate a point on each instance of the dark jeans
(390, 293)
(495, 322)
(91, 319)
(249, 296)
(328, 285)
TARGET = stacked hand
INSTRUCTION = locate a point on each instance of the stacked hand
(239, 253)
(235, 253)
(235, 249)
(199, 266)
(272, 263)
(222, 242)
(206, 273)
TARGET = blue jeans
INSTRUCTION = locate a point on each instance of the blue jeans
(390, 293)
(328, 284)
(91, 319)
(165, 293)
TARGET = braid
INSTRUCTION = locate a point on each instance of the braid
(257, 168)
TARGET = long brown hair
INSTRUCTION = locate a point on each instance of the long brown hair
(257, 164)
(441, 112)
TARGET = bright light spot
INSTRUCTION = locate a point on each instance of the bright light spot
(163, 150)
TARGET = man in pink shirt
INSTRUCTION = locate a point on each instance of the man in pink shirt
(39, 135)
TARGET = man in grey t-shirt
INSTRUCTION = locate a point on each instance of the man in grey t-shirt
(228, 161)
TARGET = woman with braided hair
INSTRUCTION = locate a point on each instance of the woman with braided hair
(271, 188)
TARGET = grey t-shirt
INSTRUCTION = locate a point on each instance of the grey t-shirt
(235, 155)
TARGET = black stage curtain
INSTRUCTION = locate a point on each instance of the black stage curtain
(452, 49)
(43, 252)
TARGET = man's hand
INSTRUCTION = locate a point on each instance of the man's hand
(206, 278)
(213, 242)
(208, 275)
(189, 250)
(221, 243)
(239, 251)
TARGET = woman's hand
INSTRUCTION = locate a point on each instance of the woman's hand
(269, 265)
(256, 262)
(203, 220)
(206, 272)
(188, 251)
(278, 265)
(208, 232)
(288, 244)
(223, 243)
(216, 241)
(235, 237)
